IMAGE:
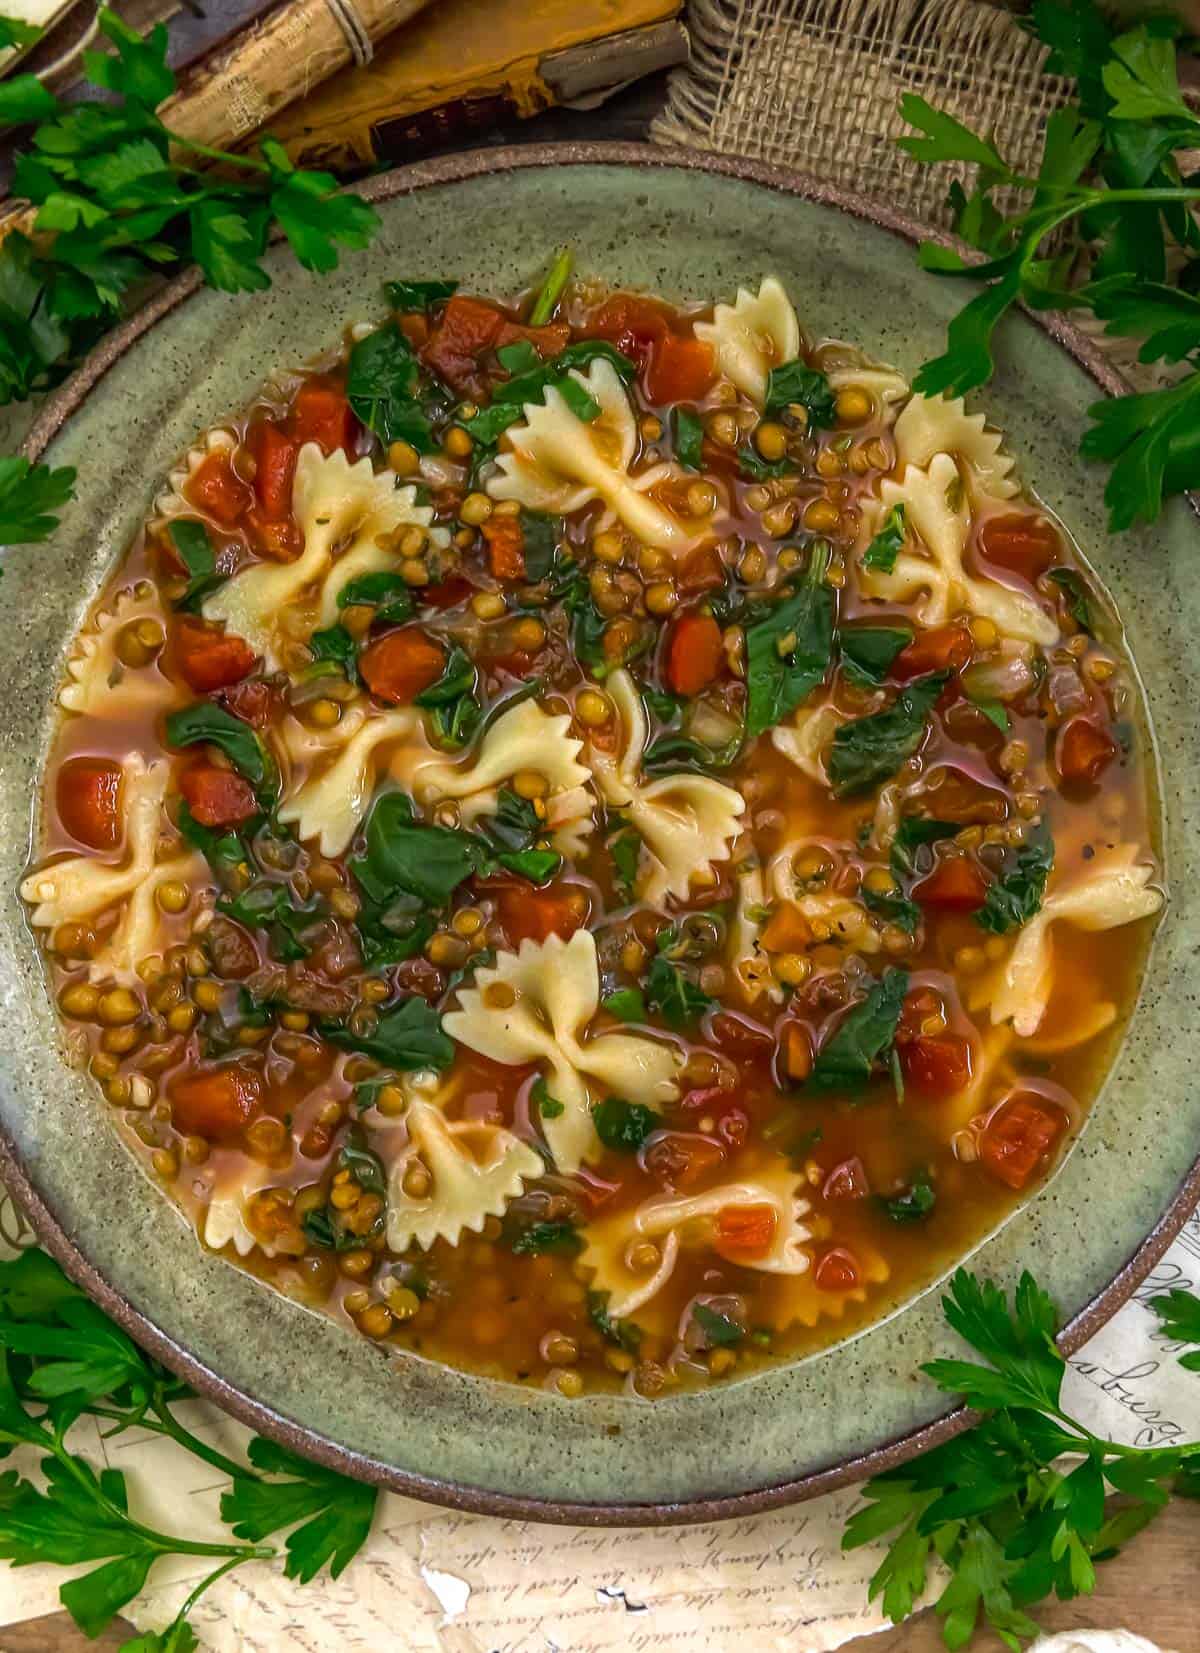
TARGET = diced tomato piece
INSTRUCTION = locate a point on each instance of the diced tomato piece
(787, 930)
(956, 884)
(1083, 751)
(321, 414)
(467, 328)
(722, 1116)
(255, 701)
(275, 460)
(958, 795)
(745, 1231)
(945, 648)
(936, 1065)
(847, 1181)
(1019, 1136)
(695, 655)
(680, 370)
(88, 797)
(1025, 545)
(633, 324)
(918, 1007)
(447, 593)
(536, 915)
(701, 570)
(215, 1102)
(280, 539)
(681, 1159)
(415, 327)
(505, 547)
(836, 1270)
(215, 488)
(217, 797)
(548, 341)
(398, 665)
(210, 658)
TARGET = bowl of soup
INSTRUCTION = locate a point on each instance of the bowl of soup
(573, 851)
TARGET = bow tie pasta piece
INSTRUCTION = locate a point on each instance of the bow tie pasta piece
(1100, 896)
(830, 918)
(931, 425)
(473, 1169)
(559, 462)
(752, 335)
(686, 822)
(523, 738)
(99, 683)
(225, 1218)
(772, 1198)
(883, 383)
(83, 887)
(329, 805)
(805, 740)
(750, 965)
(338, 506)
(171, 502)
(535, 1006)
(936, 508)
(788, 1299)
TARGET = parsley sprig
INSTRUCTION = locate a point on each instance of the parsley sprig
(62, 1360)
(119, 199)
(1010, 1519)
(1098, 228)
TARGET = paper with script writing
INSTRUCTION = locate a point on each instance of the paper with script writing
(435, 1581)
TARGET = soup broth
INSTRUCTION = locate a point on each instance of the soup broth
(602, 850)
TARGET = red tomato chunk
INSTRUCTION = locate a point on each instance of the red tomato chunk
(1018, 1138)
(836, 1270)
(88, 796)
(210, 658)
(400, 664)
(215, 1103)
(217, 797)
(321, 414)
(956, 885)
(214, 488)
(1083, 751)
(695, 654)
(1025, 545)
(936, 1065)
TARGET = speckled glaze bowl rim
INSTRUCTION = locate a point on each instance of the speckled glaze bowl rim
(309, 1442)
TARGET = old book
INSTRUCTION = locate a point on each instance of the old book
(467, 64)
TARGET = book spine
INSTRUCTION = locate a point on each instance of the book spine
(559, 77)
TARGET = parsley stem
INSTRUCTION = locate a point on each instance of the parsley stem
(169, 1424)
(244, 161)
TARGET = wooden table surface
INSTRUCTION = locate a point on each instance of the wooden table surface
(1153, 1587)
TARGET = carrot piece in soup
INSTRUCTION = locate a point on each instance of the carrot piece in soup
(536, 915)
(88, 796)
(1083, 751)
(1025, 545)
(745, 1231)
(680, 369)
(787, 930)
(945, 648)
(275, 461)
(321, 414)
(956, 885)
(218, 797)
(210, 658)
(505, 547)
(936, 1065)
(837, 1270)
(215, 488)
(215, 1103)
(694, 654)
(1018, 1138)
(398, 665)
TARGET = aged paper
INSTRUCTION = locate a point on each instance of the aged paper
(434, 1581)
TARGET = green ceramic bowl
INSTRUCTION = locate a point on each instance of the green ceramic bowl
(688, 227)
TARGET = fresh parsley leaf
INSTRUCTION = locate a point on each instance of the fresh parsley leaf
(688, 432)
(871, 749)
(623, 1126)
(850, 1056)
(514, 825)
(335, 1513)
(1015, 897)
(895, 907)
(28, 495)
(1153, 441)
(560, 1237)
(798, 384)
(205, 723)
(719, 1330)
(16, 34)
(672, 992)
(914, 1204)
(456, 712)
(993, 710)
(418, 295)
(788, 651)
(386, 593)
(880, 556)
(383, 377)
(626, 1334)
(1179, 1316)
(627, 1004)
(195, 549)
(869, 651)
(407, 1037)
(945, 139)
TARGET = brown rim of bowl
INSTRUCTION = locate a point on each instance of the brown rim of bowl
(406, 181)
